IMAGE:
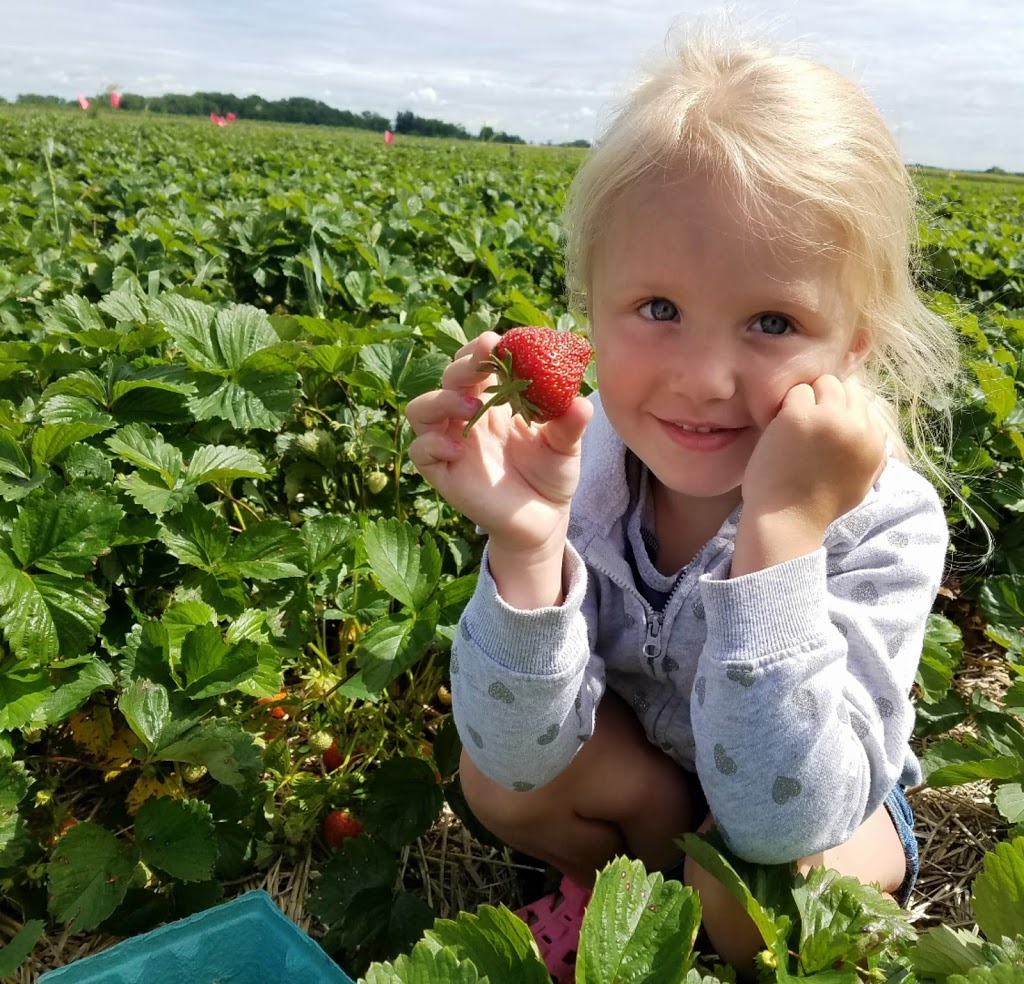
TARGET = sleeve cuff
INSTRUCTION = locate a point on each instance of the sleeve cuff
(543, 641)
(768, 611)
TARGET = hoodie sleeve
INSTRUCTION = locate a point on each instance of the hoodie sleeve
(525, 684)
(801, 705)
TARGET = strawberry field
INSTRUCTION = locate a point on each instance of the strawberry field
(227, 599)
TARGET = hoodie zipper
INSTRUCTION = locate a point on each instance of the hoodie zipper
(652, 644)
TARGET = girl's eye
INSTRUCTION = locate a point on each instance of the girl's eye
(659, 309)
(773, 324)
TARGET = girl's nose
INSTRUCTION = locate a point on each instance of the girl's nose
(704, 369)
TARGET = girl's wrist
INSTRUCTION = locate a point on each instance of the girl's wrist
(530, 577)
(765, 540)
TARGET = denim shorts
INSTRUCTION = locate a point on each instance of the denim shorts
(903, 820)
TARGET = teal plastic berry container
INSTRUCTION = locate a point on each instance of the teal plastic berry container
(245, 941)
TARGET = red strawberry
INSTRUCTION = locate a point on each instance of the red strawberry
(333, 759)
(276, 711)
(65, 826)
(339, 825)
(539, 372)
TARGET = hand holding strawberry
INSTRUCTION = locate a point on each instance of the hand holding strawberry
(514, 480)
(539, 372)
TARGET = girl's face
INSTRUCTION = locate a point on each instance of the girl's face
(701, 326)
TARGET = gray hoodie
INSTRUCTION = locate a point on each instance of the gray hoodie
(785, 690)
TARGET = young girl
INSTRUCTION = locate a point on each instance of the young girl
(705, 588)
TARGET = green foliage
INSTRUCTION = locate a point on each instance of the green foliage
(213, 545)
(637, 927)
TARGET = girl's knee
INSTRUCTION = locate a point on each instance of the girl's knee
(496, 806)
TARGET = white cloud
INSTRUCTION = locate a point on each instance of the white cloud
(948, 76)
(427, 94)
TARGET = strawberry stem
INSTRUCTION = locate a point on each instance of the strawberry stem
(506, 390)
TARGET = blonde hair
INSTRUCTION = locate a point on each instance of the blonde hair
(791, 139)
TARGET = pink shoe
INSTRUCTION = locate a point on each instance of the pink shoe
(555, 922)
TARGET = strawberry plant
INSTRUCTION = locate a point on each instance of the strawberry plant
(227, 599)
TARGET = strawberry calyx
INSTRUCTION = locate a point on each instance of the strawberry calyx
(509, 389)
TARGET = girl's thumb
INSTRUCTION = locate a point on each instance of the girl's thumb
(563, 434)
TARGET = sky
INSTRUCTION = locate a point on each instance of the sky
(948, 75)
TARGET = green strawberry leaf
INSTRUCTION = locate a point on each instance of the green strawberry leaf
(773, 929)
(401, 801)
(45, 617)
(256, 401)
(176, 836)
(20, 946)
(326, 540)
(943, 647)
(1004, 973)
(392, 645)
(495, 941)
(150, 492)
(124, 304)
(424, 966)
(64, 535)
(407, 570)
(637, 927)
(146, 707)
(51, 439)
(36, 698)
(231, 381)
(213, 666)
(997, 894)
(145, 447)
(356, 882)
(1009, 800)
(89, 872)
(14, 834)
(267, 551)
(221, 463)
(196, 536)
(941, 951)
(231, 754)
(843, 921)
(409, 919)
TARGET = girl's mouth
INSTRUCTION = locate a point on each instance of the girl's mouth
(701, 437)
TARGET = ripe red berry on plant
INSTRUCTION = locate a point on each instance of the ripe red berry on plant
(539, 372)
(340, 825)
(332, 758)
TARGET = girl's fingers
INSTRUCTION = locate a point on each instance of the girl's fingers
(463, 372)
(434, 410)
(798, 399)
(829, 389)
(432, 449)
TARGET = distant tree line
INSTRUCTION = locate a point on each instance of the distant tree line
(297, 109)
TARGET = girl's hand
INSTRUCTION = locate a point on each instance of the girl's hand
(817, 458)
(513, 480)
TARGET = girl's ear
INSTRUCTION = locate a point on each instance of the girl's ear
(858, 351)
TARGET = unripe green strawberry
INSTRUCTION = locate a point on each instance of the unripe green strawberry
(296, 829)
(193, 773)
(539, 372)
(320, 741)
(376, 481)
